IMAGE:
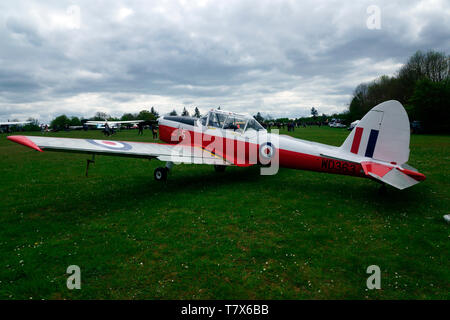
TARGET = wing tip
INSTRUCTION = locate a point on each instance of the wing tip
(23, 140)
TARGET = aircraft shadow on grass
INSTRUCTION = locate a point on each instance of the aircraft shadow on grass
(139, 191)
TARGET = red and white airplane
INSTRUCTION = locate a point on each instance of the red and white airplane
(377, 148)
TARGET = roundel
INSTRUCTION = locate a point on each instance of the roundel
(267, 150)
(111, 145)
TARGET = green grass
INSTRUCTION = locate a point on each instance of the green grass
(207, 235)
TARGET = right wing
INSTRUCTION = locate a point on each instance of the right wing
(179, 153)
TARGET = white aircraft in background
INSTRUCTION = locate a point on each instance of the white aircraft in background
(111, 124)
(11, 123)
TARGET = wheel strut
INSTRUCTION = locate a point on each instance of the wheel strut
(89, 161)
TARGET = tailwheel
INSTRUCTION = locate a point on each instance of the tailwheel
(160, 174)
(219, 168)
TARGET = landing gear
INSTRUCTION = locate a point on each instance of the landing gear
(219, 168)
(88, 162)
(160, 174)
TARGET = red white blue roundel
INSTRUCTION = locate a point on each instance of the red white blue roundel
(111, 145)
(267, 150)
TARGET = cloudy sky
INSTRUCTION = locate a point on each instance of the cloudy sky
(277, 57)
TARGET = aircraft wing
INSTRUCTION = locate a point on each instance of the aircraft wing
(14, 123)
(113, 122)
(179, 153)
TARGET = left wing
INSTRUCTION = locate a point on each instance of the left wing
(179, 153)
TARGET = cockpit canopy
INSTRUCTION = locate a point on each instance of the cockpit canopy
(231, 121)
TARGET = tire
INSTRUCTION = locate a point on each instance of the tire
(219, 168)
(160, 174)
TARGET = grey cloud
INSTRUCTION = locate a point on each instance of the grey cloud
(275, 57)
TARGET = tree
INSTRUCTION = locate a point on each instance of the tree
(128, 117)
(100, 116)
(154, 112)
(75, 121)
(432, 65)
(60, 122)
(429, 104)
(185, 113)
(314, 112)
(146, 115)
(33, 126)
(173, 113)
(197, 113)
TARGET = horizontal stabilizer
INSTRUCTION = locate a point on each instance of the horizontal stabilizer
(389, 175)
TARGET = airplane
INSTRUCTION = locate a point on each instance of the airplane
(11, 123)
(111, 124)
(377, 148)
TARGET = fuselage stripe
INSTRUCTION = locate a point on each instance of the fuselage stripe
(357, 140)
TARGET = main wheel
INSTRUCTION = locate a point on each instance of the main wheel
(160, 174)
(219, 168)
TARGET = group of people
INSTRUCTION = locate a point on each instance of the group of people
(108, 131)
(153, 128)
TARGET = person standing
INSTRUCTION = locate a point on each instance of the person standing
(141, 128)
(107, 130)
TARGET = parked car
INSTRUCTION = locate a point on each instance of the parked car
(416, 127)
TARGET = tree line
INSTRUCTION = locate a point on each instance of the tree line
(422, 85)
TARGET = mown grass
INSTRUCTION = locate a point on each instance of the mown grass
(207, 235)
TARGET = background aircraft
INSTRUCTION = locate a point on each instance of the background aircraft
(378, 147)
(111, 124)
(4, 126)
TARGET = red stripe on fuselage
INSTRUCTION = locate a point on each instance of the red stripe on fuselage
(357, 140)
(287, 158)
(303, 161)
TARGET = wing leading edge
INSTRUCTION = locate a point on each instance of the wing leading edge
(165, 152)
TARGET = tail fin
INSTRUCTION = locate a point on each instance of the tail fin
(382, 134)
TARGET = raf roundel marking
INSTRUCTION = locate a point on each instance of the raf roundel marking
(111, 145)
(267, 150)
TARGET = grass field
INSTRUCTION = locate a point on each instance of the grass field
(208, 235)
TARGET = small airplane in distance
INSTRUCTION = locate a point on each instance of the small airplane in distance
(377, 148)
(6, 125)
(111, 124)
